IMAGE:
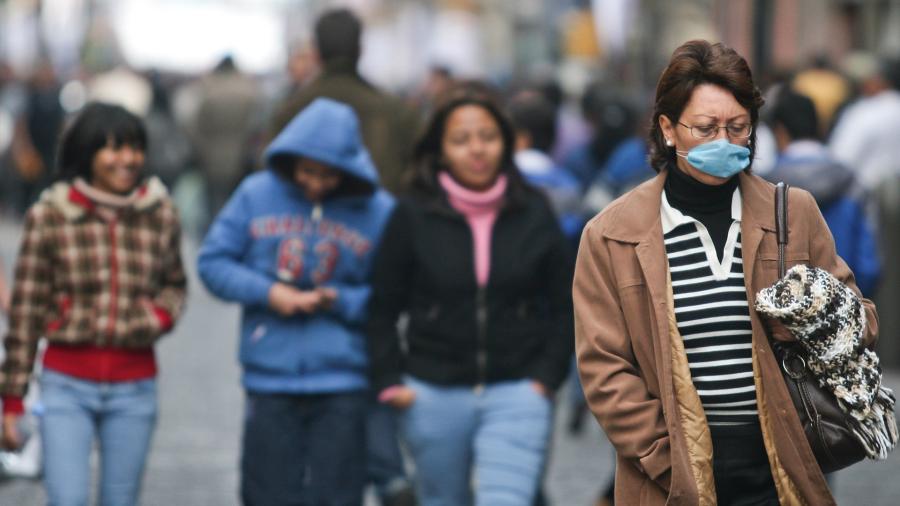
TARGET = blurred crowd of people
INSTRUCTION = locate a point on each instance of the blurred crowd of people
(833, 133)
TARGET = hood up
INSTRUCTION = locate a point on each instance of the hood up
(326, 131)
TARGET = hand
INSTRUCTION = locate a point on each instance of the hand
(329, 296)
(288, 301)
(281, 299)
(403, 398)
(11, 439)
(308, 301)
(28, 163)
(540, 388)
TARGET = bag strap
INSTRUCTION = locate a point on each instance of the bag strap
(781, 228)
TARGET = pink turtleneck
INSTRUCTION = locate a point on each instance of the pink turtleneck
(480, 210)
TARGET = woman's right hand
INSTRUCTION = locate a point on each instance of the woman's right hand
(401, 397)
(11, 439)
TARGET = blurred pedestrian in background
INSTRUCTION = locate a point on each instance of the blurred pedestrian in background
(293, 246)
(33, 149)
(828, 89)
(534, 120)
(387, 124)
(171, 153)
(865, 137)
(476, 258)
(805, 162)
(612, 119)
(226, 116)
(435, 85)
(99, 274)
(675, 265)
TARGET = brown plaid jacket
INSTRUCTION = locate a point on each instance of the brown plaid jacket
(83, 279)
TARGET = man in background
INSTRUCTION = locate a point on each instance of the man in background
(806, 163)
(388, 126)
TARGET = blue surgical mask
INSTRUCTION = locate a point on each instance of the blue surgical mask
(718, 158)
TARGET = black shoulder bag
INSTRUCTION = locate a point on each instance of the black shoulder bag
(823, 421)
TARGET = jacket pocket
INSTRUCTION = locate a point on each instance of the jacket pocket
(652, 494)
(796, 252)
(633, 299)
(64, 309)
(768, 265)
(142, 323)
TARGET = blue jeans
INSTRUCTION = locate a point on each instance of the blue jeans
(499, 433)
(304, 450)
(76, 411)
(384, 462)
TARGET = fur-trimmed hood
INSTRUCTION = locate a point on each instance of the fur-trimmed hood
(74, 204)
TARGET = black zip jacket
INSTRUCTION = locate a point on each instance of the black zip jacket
(518, 326)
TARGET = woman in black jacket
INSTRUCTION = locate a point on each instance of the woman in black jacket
(476, 259)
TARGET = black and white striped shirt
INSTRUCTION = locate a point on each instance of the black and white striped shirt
(713, 315)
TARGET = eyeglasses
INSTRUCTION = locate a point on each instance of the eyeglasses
(734, 130)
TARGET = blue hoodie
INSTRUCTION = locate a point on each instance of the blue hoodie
(269, 231)
(842, 200)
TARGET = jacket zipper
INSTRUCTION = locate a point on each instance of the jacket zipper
(316, 214)
(114, 282)
(481, 324)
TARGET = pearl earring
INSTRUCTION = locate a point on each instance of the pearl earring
(669, 142)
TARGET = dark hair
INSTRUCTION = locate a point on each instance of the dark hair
(534, 115)
(695, 63)
(225, 65)
(97, 125)
(338, 34)
(890, 69)
(428, 159)
(797, 114)
(612, 115)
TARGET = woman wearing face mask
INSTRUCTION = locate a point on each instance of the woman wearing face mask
(675, 362)
(476, 259)
(99, 275)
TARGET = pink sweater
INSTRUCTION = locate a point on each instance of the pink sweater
(480, 210)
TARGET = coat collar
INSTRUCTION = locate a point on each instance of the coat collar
(758, 208)
(636, 215)
(639, 213)
(73, 204)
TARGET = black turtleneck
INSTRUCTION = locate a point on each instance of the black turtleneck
(708, 204)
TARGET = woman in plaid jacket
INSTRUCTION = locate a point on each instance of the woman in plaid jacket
(99, 274)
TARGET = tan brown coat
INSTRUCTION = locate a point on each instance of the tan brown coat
(632, 362)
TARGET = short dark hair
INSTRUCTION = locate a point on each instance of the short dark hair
(97, 125)
(534, 115)
(428, 156)
(890, 69)
(797, 114)
(695, 63)
(338, 33)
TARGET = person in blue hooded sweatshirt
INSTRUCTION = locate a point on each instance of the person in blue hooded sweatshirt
(805, 162)
(293, 246)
